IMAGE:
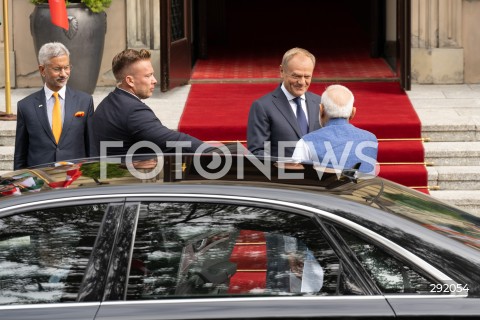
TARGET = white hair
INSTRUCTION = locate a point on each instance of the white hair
(337, 101)
(51, 50)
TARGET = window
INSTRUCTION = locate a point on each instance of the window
(43, 253)
(177, 20)
(205, 249)
(391, 275)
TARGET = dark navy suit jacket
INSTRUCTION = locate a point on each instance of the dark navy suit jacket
(271, 118)
(34, 141)
(121, 116)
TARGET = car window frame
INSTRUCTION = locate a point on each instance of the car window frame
(311, 212)
(45, 204)
(120, 258)
(233, 200)
(382, 244)
(370, 306)
(332, 229)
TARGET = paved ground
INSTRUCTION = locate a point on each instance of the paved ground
(436, 105)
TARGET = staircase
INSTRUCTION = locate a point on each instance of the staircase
(7, 143)
(450, 116)
(456, 172)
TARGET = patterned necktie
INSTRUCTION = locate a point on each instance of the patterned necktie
(301, 118)
(56, 118)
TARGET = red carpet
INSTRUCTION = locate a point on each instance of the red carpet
(225, 63)
(382, 108)
(250, 255)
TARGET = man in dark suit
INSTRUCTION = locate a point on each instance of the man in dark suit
(122, 120)
(53, 124)
(278, 116)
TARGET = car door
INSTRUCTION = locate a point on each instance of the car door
(207, 257)
(54, 257)
(411, 290)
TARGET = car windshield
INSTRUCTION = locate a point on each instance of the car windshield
(416, 206)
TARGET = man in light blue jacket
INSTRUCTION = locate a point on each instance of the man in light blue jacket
(338, 144)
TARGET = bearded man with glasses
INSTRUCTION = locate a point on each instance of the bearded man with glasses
(53, 124)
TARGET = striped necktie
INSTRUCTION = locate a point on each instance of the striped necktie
(301, 118)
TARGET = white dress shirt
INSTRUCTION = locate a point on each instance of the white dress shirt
(51, 101)
(290, 98)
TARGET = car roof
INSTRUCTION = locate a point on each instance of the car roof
(275, 178)
(96, 172)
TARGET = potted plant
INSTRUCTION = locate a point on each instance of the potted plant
(84, 38)
(94, 5)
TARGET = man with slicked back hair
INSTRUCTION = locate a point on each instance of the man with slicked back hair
(123, 116)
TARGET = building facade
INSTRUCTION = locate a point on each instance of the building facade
(444, 41)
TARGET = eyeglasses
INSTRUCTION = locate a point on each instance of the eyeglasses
(66, 68)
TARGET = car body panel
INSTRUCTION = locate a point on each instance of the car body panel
(71, 311)
(437, 239)
(251, 308)
(437, 306)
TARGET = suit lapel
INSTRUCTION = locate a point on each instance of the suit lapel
(41, 111)
(282, 104)
(312, 112)
(69, 112)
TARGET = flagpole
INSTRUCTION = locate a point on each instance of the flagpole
(8, 112)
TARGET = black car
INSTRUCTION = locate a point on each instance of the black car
(210, 237)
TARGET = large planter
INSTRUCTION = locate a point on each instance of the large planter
(84, 39)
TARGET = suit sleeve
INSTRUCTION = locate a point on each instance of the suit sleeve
(258, 129)
(145, 126)
(21, 142)
(90, 145)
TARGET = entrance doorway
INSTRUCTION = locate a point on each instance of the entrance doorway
(238, 40)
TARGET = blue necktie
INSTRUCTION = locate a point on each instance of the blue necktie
(301, 118)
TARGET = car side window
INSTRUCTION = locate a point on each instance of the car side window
(198, 249)
(391, 275)
(43, 253)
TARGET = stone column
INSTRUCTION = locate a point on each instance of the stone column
(437, 51)
(471, 40)
(143, 28)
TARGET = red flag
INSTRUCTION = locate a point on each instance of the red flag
(58, 12)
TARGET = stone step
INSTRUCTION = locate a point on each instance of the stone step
(452, 133)
(454, 177)
(453, 153)
(447, 112)
(6, 158)
(7, 133)
(451, 126)
(466, 200)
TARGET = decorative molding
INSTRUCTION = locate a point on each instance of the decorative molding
(436, 24)
(450, 27)
(143, 24)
